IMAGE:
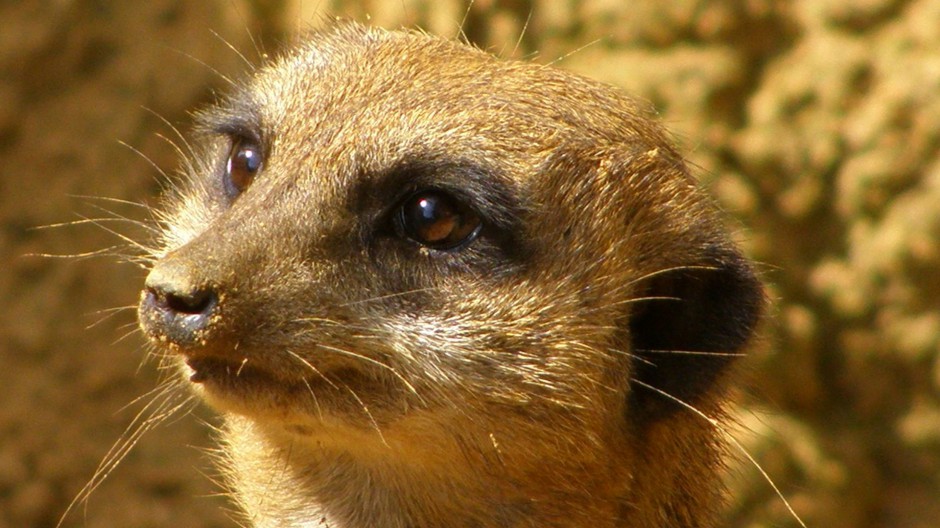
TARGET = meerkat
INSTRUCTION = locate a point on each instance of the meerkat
(427, 287)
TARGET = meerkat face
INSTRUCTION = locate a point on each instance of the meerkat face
(388, 229)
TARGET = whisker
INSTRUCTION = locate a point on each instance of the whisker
(228, 80)
(155, 392)
(230, 46)
(461, 34)
(111, 251)
(364, 328)
(690, 352)
(127, 334)
(131, 243)
(333, 322)
(719, 427)
(389, 296)
(312, 368)
(111, 311)
(151, 352)
(256, 43)
(181, 155)
(365, 409)
(145, 157)
(316, 401)
(157, 411)
(70, 223)
(117, 217)
(111, 199)
(670, 269)
(108, 314)
(238, 372)
(373, 362)
(633, 356)
(570, 53)
(190, 152)
(646, 298)
(633, 300)
(525, 27)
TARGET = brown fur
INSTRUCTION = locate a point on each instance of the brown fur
(367, 380)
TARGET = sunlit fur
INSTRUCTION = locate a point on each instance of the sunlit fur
(376, 383)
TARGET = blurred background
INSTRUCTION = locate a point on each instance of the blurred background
(816, 123)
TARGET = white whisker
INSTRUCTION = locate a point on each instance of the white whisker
(718, 427)
(312, 368)
(166, 403)
(690, 352)
(373, 362)
(365, 409)
(389, 296)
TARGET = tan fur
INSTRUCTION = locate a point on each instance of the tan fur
(367, 381)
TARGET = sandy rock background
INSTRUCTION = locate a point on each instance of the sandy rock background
(816, 123)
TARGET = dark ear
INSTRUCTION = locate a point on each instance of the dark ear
(701, 320)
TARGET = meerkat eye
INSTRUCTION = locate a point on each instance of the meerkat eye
(244, 162)
(438, 220)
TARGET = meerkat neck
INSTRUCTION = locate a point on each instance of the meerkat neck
(285, 479)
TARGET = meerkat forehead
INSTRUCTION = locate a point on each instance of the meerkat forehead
(374, 95)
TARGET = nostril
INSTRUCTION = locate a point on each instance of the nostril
(195, 303)
(176, 308)
(198, 302)
(176, 317)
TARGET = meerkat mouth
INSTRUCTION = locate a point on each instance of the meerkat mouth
(237, 385)
(205, 369)
(233, 380)
(338, 397)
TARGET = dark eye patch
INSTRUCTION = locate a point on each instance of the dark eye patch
(445, 206)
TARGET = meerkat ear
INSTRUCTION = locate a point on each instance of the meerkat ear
(699, 320)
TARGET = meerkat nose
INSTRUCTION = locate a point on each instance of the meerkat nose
(175, 310)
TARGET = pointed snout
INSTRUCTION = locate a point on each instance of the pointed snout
(175, 308)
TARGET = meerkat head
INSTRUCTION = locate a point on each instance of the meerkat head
(396, 237)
